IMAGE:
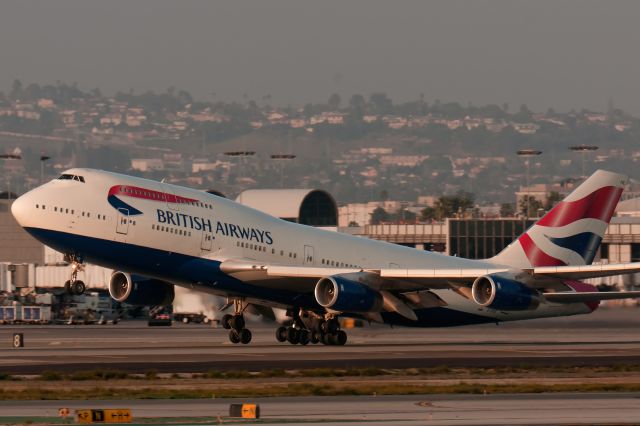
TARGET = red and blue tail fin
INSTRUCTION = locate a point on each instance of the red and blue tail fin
(571, 232)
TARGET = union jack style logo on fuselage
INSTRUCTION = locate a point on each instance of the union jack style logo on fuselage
(118, 192)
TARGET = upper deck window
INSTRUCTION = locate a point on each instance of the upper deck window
(66, 176)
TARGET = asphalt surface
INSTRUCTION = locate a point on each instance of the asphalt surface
(606, 337)
(528, 409)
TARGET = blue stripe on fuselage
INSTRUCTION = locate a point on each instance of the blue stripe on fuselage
(163, 265)
(117, 203)
(585, 244)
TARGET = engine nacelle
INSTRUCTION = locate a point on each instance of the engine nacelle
(497, 292)
(340, 294)
(140, 291)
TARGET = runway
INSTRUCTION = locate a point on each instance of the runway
(570, 408)
(607, 337)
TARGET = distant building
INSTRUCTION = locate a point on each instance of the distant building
(147, 164)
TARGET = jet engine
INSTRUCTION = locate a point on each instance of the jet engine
(340, 294)
(140, 291)
(497, 292)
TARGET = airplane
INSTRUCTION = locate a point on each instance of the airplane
(156, 235)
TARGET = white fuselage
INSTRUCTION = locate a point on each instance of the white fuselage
(168, 232)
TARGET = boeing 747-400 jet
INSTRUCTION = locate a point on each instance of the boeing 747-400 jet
(156, 235)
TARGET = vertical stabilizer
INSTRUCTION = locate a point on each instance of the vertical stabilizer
(571, 232)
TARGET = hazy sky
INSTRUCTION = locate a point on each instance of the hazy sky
(560, 54)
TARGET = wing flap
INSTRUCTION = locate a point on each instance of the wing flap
(442, 274)
(592, 296)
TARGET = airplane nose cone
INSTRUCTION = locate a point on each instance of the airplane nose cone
(19, 209)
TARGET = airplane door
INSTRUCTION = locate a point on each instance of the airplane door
(207, 241)
(122, 223)
(308, 255)
(170, 197)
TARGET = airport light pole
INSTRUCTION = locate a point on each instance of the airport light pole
(585, 150)
(43, 158)
(527, 154)
(10, 157)
(240, 155)
(282, 158)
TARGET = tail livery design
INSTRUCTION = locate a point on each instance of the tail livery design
(571, 232)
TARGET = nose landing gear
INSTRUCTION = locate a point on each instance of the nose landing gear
(74, 286)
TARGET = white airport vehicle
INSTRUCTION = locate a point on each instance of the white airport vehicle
(157, 235)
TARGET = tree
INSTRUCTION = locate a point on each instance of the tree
(357, 104)
(428, 213)
(381, 103)
(507, 210)
(553, 199)
(16, 89)
(533, 206)
(379, 215)
(334, 101)
(448, 205)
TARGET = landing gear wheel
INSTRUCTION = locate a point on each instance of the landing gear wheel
(234, 336)
(340, 338)
(330, 326)
(292, 336)
(226, 321)
(326, 339)
(237, 322)
(281, 334)
(67, 286)
(303, 337)
(245, 336)
(315, 337)
(78, 288)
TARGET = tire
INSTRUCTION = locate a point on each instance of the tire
(234, 337)
(303, 337)
(67, 287)
(314, 337)
(326, 339)
(226, 321)
(333, 326)
(78, 287)
(281, 334)
(292, 336)
(237, 322)
(245, 336)
(340, 338)
(330, 327)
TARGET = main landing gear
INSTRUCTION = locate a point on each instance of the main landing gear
(316, 330)
(236, 325)
(74, 286)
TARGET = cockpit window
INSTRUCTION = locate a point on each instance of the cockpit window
(66, 176)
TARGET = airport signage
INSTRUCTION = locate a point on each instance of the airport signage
(117, 415)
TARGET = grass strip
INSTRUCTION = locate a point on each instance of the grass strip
(106, 374)
(304, 389)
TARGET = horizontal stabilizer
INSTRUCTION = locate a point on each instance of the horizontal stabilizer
(593, 296)
(586, 271)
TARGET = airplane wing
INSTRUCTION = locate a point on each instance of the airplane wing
(304, 278)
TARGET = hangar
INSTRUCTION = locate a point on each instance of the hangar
(313, 207)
